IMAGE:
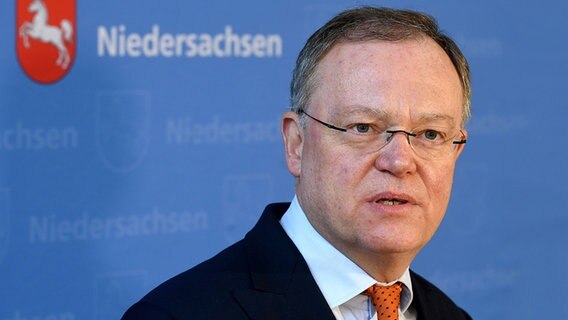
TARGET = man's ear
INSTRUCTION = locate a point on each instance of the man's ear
(293, 137)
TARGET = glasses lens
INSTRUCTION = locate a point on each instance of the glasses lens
(427, 143)
(431, 144)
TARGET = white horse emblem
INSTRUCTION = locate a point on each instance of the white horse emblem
(40, 30)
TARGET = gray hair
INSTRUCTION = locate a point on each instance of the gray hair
(372, 23)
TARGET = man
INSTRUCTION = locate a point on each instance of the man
(379, 102)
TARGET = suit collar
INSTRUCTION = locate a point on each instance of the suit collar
(419, 302)
(431, 303)
(282, 285)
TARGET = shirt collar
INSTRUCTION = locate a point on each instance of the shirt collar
(340, 280)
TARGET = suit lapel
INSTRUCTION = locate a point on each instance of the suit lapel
(282, 285)
(426, 301)
(419, 302)
(431, 303)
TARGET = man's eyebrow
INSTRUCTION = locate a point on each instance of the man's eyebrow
(362, 111)
(436, 117)
(378, 113)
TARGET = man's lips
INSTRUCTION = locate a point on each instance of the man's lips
(393, 199)
(390, 202)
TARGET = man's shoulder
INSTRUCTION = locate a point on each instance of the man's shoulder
(208, 285)
(430, 300)
(229, 268)
(206, 290)
(207, 275)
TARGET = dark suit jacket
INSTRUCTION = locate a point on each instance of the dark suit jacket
(263, 277)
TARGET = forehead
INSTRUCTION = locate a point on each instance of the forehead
(409, 78)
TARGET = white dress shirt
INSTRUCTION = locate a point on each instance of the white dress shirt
(340, 280)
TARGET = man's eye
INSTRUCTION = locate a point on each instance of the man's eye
(431, 135)
(362, 128)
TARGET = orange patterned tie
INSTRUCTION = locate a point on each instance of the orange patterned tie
(386, 300)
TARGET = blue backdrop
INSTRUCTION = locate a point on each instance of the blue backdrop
(161, 145)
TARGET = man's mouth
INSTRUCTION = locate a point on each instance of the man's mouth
(391, 202)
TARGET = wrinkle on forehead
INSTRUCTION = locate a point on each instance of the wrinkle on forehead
(411, 80)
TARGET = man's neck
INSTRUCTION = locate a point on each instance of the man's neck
(382, 267)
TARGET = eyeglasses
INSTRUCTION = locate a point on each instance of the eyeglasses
(428, 142)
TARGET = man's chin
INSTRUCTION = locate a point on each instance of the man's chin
(399, 243)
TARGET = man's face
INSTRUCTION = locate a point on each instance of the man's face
(346, 193)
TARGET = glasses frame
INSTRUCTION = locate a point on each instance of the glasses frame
(392, 132)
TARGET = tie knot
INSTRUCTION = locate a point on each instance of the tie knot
(386, 300)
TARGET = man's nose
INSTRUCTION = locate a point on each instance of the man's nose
(397, 156)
